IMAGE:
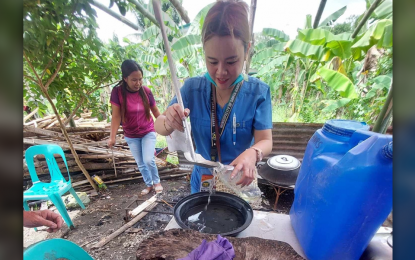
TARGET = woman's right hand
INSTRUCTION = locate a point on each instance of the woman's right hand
(111, 142)
(175, 116)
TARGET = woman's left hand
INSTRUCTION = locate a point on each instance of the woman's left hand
(245, 162)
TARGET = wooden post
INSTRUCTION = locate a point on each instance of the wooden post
(252, 11)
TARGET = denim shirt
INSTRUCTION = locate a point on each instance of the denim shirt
(252, 108)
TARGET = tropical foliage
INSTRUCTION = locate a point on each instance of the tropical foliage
(322, 73)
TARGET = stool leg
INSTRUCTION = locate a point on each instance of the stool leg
(72, 191)
(57, 201)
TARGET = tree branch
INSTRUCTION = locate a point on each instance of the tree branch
(84, 97)
(31, 78)
(39, 82)
(52, 78)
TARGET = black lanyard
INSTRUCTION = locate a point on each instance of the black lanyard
(217, 130)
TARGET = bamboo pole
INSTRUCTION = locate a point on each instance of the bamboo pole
(366, 17)
(180, 10)
(115, 15)
(384, 113)
(319, 13)
(252, 11)
(142, 10)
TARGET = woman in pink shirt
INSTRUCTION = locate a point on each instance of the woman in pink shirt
(131, 104)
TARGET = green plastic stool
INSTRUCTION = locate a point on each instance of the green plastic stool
(56, 248)
(57, 186)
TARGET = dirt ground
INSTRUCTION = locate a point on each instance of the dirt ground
(105, 214)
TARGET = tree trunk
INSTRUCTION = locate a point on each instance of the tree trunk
(178, 243)
(68, 140)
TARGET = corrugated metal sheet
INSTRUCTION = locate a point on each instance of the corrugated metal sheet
(288, 138)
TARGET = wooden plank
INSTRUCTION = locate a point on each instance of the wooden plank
(30, 115)
(142, 206)
(124, 228)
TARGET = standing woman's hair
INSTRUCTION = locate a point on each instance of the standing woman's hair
(128, 67)
(227, 18)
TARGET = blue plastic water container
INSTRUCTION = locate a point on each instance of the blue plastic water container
(343, 192)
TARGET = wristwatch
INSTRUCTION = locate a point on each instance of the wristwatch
(259, 154)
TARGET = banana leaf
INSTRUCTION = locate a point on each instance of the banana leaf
(270, 67)
(371, 37)
(332, 105)
(277, 34)
(314, 36)
(305, 50)
(184, 52)
(197, 23)
(338, 82)
(386, 41)
(333, 17)
(185, 41)
(384, 10)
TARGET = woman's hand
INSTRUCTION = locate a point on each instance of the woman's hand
(245, 162)
(175, 116)
(111, 142)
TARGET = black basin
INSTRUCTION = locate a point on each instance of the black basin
(225, 199)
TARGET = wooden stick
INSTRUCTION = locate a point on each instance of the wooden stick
(123, 228)
(167, 203)
(113, 162)
(30, 115)
(142, 206)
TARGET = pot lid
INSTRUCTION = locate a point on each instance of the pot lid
(283, 162)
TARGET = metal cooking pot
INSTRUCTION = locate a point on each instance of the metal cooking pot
(281, 170)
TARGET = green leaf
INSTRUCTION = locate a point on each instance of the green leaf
(305, 50)
(384, 10)
(333, 17)
(270, 67)
(370, 38)
(314, 36)
(197, 23)
(184, 52)
(386, 41)
(338, 82)
(278, 35)
(341, 49)
(126, 40)
(263, 55)
(185, 41)
(332, 105)
(122, 9)
(150, 32)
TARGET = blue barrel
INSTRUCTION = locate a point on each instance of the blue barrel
(343, 192)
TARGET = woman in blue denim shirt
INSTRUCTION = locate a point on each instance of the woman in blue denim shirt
(225, 37)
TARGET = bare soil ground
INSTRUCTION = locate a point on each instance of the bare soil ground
(105, 214)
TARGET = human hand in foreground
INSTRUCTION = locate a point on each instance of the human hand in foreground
(245, 162)
(175, 116)
(38, 218)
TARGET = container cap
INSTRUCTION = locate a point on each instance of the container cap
(388, 150)
(283, 162)
(344, 127)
